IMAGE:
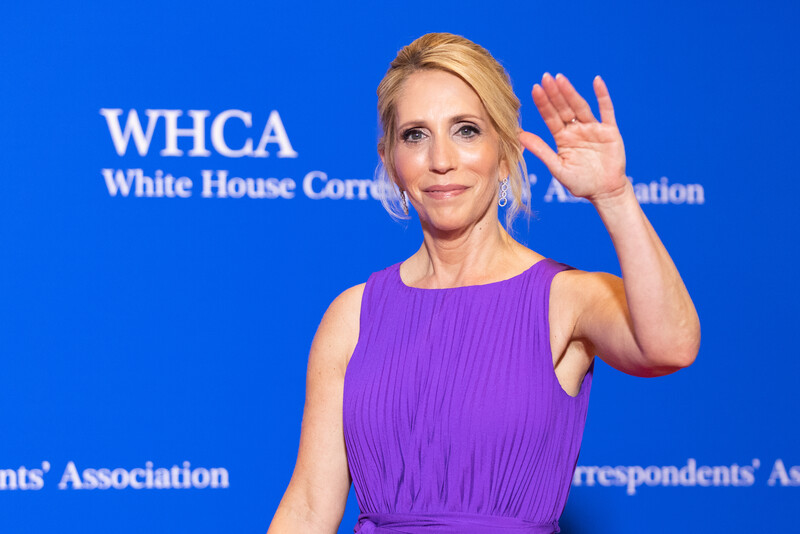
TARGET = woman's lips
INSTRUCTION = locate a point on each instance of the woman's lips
(445, 191)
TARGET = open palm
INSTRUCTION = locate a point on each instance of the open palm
(590, 157)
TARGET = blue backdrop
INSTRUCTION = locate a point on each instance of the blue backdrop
(153, 342)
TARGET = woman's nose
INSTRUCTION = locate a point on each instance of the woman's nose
(442, 156)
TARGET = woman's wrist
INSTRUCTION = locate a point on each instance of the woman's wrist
(622, 198)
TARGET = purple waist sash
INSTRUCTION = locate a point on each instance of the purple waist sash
(448, 523)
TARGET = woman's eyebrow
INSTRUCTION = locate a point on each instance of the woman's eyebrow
(410, 123)
(460, 118)
(452, 120)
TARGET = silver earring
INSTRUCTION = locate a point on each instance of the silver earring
(503, 193)
(404, 202)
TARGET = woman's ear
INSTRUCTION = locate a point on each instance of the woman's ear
(382, 153)
(505, 169)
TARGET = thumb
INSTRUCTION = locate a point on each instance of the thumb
(541, 150)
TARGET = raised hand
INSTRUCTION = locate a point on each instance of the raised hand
(590, 161)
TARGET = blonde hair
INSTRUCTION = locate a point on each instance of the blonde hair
(478, 69)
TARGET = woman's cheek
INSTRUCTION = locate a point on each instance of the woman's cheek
(409, 166)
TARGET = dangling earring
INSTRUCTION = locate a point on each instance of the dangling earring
(404, 202)
(503, 193)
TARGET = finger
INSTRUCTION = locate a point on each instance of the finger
(541, 150)
(574, 99)
(604, 102)
(565, 111)
(548, 112)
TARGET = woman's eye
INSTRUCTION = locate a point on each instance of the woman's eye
(412, 135)
(468, 131)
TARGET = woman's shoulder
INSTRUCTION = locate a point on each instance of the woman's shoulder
(576, 293)
(524, 258)
(345, 308)
(337, 334)
(582, 284)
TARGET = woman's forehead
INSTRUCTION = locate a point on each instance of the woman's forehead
(437, 95)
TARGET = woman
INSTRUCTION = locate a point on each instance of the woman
(469, 364)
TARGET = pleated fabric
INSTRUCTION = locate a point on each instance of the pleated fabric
(454, 420)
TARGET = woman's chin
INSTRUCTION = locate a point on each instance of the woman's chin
(453, 219)
(448, 224)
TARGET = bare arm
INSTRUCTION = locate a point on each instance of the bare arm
(660, 333)
(315, 500)
(645, 325)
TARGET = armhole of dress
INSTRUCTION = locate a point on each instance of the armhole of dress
(380, 278)
(364, 309)
(363, 314)
(362, 321)
(554, 268)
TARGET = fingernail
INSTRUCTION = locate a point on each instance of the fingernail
(546, 74)
(559, 75)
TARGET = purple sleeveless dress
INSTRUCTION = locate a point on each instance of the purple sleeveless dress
(454, 420)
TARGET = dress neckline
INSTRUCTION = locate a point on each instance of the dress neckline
(396, 269)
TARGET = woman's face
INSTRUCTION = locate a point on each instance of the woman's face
(447, 154)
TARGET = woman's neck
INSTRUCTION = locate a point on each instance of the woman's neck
(482, 253)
